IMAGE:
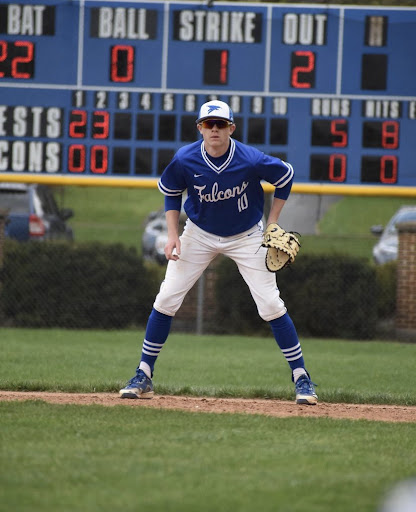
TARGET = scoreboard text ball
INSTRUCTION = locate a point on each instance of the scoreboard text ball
(102, 88)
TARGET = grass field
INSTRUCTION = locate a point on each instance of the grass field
(86, 361)
(111, 215)
(91, 458)
(57, 458)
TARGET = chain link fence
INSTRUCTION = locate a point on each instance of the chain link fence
(108, 286)
(333, 290)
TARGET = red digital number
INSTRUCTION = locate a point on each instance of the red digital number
(339, 129)
(3, 54)
(99, 159)
(307, 70)
(8, 55)
(100, 124)
(337, 168)
(224, 67)
(388, 169)
(22, 60)
(390, 134)
(122, 63)
(78, 127)
(76, 158)
(78, 124)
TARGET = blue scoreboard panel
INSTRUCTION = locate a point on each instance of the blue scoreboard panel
(112, 88)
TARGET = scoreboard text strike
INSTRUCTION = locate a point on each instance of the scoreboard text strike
(101, 88)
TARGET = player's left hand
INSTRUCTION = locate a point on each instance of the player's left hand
(282, 247)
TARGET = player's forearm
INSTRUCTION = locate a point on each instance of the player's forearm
(172, 221)
(173, 245)
(276, 208)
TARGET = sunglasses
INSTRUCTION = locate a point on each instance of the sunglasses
(219, 123)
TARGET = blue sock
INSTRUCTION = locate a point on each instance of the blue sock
(286, 337)
(157, 332)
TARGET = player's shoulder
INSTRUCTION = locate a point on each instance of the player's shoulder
(188, 150)
(250, 153)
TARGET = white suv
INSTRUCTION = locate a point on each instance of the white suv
(387, 247)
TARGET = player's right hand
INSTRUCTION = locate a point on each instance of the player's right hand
(173, 249)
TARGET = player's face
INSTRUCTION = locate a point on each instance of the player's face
(216, 134)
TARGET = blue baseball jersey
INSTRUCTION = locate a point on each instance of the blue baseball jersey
(225, 195)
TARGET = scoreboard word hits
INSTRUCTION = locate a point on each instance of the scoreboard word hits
(101, 88)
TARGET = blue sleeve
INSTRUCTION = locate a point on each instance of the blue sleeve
(283, 192)
(278, 173)
(173, 203)
(172, 182)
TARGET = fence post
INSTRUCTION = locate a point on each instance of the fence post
(3, 217)
(200, 305)
(406, 282)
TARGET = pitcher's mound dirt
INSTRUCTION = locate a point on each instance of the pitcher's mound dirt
(275, 408)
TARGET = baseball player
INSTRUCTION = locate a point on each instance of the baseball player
(224, 205)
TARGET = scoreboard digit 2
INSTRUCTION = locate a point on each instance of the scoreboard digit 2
(101, 88)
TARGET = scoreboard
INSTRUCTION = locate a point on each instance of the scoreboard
(99, 88)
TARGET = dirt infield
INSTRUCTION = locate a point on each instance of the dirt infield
(276, 408)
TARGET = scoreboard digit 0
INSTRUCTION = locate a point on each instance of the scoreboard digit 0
(112, 88)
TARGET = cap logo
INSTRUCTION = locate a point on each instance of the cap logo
(211, 108)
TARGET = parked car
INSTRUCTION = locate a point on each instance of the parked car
(155, 236)
(33, 213)
(386, 249)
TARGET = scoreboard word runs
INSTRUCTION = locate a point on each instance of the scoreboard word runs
(111, 88)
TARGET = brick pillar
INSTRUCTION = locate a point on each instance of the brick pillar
(406, 280)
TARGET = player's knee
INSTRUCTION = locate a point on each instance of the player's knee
(167, 308)
(167, 304)
(269, 312)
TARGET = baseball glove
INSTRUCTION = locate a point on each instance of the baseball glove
(282, 247)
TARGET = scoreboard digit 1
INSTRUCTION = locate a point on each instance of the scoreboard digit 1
(106, 91)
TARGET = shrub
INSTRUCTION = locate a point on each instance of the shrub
(330, 296)
(386, 289)
(62, 285)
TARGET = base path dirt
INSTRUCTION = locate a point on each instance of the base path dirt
(276, 408)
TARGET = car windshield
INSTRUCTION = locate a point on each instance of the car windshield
(16, 201)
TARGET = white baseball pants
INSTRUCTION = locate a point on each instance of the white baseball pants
(199, 248)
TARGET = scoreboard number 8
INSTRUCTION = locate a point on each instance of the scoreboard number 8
(381, 134)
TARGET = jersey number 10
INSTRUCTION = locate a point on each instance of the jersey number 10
(242, 203)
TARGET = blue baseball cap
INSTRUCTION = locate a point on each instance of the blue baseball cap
(216, 110)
